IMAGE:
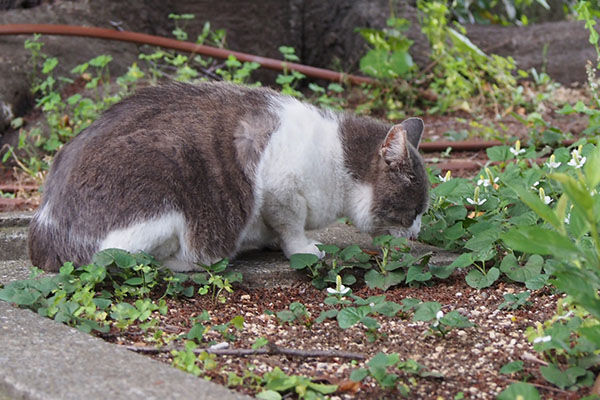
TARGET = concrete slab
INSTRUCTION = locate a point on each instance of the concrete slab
(42, 359)
(13, 243)
(13, 270)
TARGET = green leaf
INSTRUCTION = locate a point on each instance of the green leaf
(441, 271)
(499, 153)
(582, 285)
(400, 62)
(23, 297)
(328, 248)
(237, 322)
(592, 333)
(415, 273)
(326, 315)
(300, 260)
(463, 42)
(478, 280)
(456, 320)
(134, 281)
(374, 279)
(387, 308)
(350, 252)
(454, 232)
(538, 240)
(578, 194)
(483, 240)
(427, 311)
(359, 374)
(592, 169)
(520, 391)
(119, 257)
(409, 304)
(350, 316)
(322, 388)
(537, 282)
(269, 395)
(49, 65)
(536, 204)
(562, 379)
(286, 316)
(512, 367)
(519, 273)
(370, 322)
(464, 260)
(102, 304)
(260, 342)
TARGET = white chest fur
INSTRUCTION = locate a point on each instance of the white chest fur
(302, 182)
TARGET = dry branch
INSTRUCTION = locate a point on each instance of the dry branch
(269, 349)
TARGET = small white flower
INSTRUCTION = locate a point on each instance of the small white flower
(542, 339)
(339, 288)
(342, 290)
(446, 177)
(544, 198)
(577, 160)
(552, 163)
(534, 186)
(482, 181)
(568, 218)
(577, 163)
(478, 202)
(490, 180)
(517, 149)
(439, 315)
(516, 152)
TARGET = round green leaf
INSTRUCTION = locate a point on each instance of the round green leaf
(519, 390)
(478, 280)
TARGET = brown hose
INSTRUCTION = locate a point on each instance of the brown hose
(468, 145)
(142, 38)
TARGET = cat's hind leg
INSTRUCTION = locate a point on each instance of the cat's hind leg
(163, 237)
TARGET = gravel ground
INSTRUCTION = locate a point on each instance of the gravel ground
(468, 359)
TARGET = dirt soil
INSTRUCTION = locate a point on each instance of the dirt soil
(468, 359)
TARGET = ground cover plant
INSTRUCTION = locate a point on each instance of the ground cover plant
(516, 315)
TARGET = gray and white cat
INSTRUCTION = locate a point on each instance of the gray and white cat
(195, 173)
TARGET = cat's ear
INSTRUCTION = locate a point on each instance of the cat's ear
(414, 130)
(393, 148)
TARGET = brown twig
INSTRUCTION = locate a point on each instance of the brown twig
(270, 349)
(530, 357)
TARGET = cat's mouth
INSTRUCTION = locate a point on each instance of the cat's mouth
(405, 233)
(410, 233)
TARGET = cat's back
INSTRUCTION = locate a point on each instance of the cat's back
(179, 151)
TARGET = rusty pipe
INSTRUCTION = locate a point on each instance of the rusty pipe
(474, 165)
(142, 38)
(468, 145)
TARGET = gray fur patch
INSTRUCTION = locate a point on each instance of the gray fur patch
(166, 148)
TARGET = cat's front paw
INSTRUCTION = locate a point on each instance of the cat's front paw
(306, 248)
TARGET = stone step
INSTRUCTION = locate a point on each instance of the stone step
(13, 235)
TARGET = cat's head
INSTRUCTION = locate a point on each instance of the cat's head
(401, 185)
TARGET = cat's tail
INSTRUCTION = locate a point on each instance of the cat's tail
(43, 243)
(50, 244)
